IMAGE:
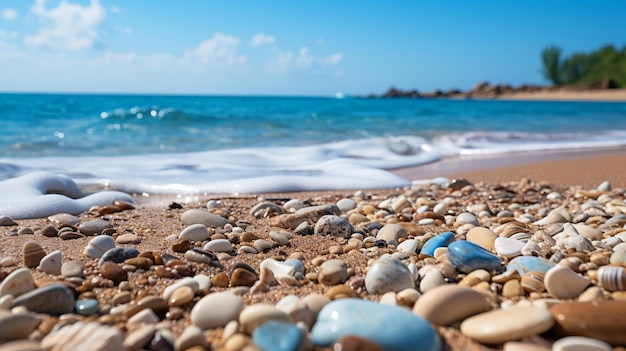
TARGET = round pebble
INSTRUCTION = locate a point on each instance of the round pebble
(332, 225)
(203, 312)
(197, 216)
(447, 304)
(98, 246)
(195, 232)
(509, 324)
(332, 272)
(55, 299)
(94, 227)
(391, 232)
(219, 245)
(388, 274)
(87, 307)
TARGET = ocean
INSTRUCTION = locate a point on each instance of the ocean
(241, 144)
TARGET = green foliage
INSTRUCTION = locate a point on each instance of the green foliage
(606, 63)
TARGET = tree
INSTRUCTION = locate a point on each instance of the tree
(551, 57)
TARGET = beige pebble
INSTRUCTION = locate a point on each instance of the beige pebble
(332, 272)
(475, 277)
(190, 337)
(17, 282)
(202, 314)
(449, 303)
(181, 296)
(512, 288)
(483, 237)
(509, 324)
(564, 283)
(253, 316)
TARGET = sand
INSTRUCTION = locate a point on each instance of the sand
(617, 95)
(154, 221)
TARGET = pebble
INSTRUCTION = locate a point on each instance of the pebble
(279, 238)
(332, 272)
(391, 232)
(612, 278)
(190, 337)
(441, 240)
(243, 277)
(195, 232)
(502, 325)
(64, 219)
(181, 296)
(7, 261)
(563, 283)
(7, 221)
(219, 245)
(294, 205)
(253, 316)
(262, 245)
(450, 303)
(388, 274)
(140, 337)
(346, 204)
(187, 281)
(600, 319)
(71, 269)
(80, 336)
(87, 307)
(144, 316)
(507, 247)
(113, 271)
(33, 253)
(525, 264)
(118, 255)
(279, 269)
(18, 282)
(354, 343)
(200, 256)
(482, 237)
(467, 256)
(409, 246)
(98, 246)
(16, 326)
(277, 336)
(203, 314)
(94, 227)
(390, 327)
(265, 208)
(332, 225)
(55, 299)
(128, 238)
(431, 279)
(466, 218)
(51, 263)
(197, 216)
(580, 343)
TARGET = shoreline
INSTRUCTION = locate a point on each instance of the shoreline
(601, 95)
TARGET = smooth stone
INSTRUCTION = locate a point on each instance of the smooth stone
(128, 238)
(55, 299)
(600, 319)
(118, 255)
(467, 256)
(580, 343)
(64, 218)
(259, 210)
(203, 280)
(432, 279)
(200, 256)
(215, 310)
(94, 227)
(51, 263)
(409, 245)
(564, 283)
(525, 264)
(144, 316)
(279, 269)
(391, 327)
(243, 277)
(507, 247)
(16, 326)
(197, 216)
(190, 337)
(346, 204)
(253, 316)
(87, 307)
(578, 243)
(279, 238)
(524, 346)
(355, 343)
(296, 264)
(332, 225)
(482, 236)
(18, 282)
(21, 345)
(315, 303)
(388, 274)
(187, 281)
(277, 336)
(391, 232)
(98, 246)
(332, 272)
(33, 253)
(80, 336)
(72, 269)
(219, 245)
(195, 232)
(113, 271)
(262, 245)
(7, 261)
(6, 221)
(140, 337)
(293, 205)
(297, 309)
(502, 325)
(441, 240)
(466, 218)
(447, 304)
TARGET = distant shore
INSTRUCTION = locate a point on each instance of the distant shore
(616, 95)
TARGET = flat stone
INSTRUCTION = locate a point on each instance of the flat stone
(195, 232)
(64, 219)
(467, 256)
(203, 314)
(332, 272)
(564, 283)
(98, 246)
(450, 303)
(33, 253)
(483, 237)
(17, 282)
(253, 316)
(509, 324)
(507, 247)
(55, 299)
(390, 327)
(197, 216)
(391, 232)
(16, 326)
(388, 274)
(140, 337)
(331, 225)
(128, 238)
(200, 256)
(441, 240)
(6, 221)
(219, 245)
(94, 227)
(71, 269)
(113, 271)
(87, 307)
(525, 264)
(309, 214)
(52, 262)
(277, 336)
(261, 209)
(600, 319)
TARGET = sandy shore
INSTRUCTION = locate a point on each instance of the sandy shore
(617, 95)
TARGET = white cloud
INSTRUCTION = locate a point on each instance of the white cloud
(220, 49)
(68, 26)
(304, 59)
(333, 59)
(262, 39)
(9, 14)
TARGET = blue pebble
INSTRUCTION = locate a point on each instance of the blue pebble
(524, 264)
(467, 256)
(391, 327)
(278, 336)
(87, 307)
(441, 240)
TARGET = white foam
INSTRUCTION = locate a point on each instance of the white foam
(41, 194)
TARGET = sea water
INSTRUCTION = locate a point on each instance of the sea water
(240, 144)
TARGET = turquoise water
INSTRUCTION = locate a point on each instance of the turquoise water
(195, 142)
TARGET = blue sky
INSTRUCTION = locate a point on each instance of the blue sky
(289, 47)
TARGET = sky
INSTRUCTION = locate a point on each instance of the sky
(290, 47)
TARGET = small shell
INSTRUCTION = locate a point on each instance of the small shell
(612, 278)
(533, 282)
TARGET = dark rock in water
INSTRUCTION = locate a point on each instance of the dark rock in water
(119, 255)
(54, 299)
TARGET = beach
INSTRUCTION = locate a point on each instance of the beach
(155, 229)
(615, 95)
